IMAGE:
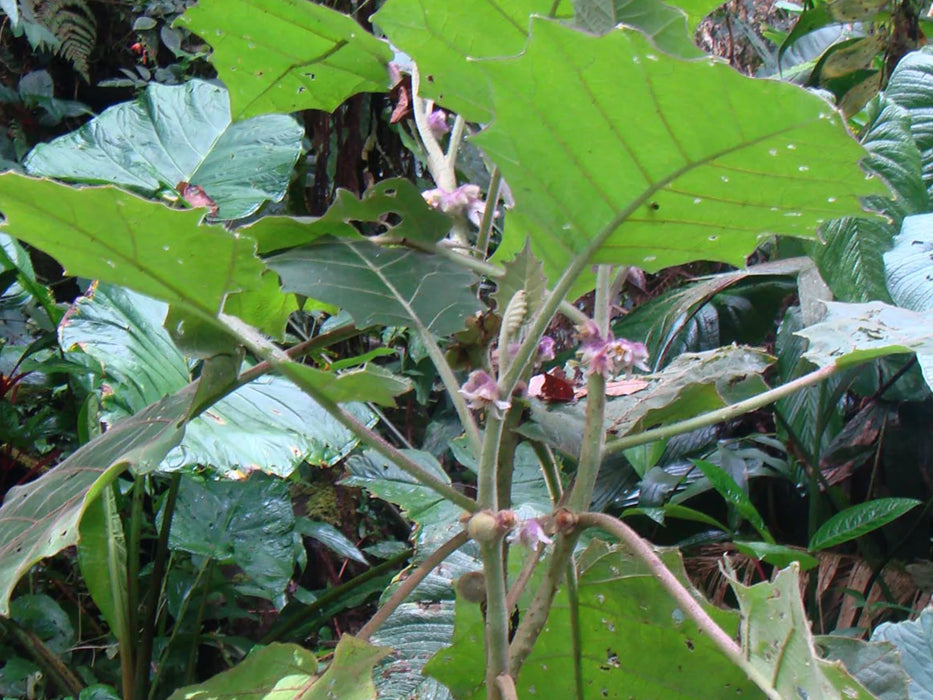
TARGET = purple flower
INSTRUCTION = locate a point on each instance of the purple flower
(531, 534)
(629, 354)
(437, 123)
(607, 356)
(481, 390)
(546, 349)
(464, 200)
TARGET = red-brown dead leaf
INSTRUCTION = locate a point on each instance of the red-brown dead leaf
(552, 386)
(196, 197)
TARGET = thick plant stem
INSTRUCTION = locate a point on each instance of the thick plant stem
(437, 161)
(453, 146)
(49, 661)
(497, 615)
(505, 684)
(685, 600)
(436, 558)
(487, 481)
(723, 414)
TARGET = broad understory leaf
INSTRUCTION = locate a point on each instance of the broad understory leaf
(856, 333)
(289, 56)
(777, 640)
(377, 285)
(104, 233)
(666, 26)
(522, 273)
(415, 220)
(914, 641)
(650, 182)
(630, 630)
(909, 264)
(39, 519)
(290, 672)
(691, 385)
(268, 425)
(858, 520)
(174, 134)
(908, 88)
(248, 523)
(876, 665)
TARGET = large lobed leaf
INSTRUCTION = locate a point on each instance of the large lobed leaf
(41, 518)
(174, 134)
(103, 233)
(652, 181)
(914, 641)
(289, 55)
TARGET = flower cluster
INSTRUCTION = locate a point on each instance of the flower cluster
(608, 356)
(481, 390)
(464, 200)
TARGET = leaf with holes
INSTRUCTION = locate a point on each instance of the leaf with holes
(41, 518)
(288, 56)
(650, 181)
(174, 135)
(103, 233)
(376, 285)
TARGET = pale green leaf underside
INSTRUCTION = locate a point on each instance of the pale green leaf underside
(103, 233)
(288, 55)
(376, 285)
(909, 264)
(914, 640)
(608, 143)
(856, 333)
(41, 518)
(179, 133)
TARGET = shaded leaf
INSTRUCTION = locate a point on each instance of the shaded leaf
(735, 496)
(103, 233)
(385, 286)
(914, 641)
(777, 555)
(876, 665)
(45, 618)
(41, 518)
(665, 25)
(330, 537)
(300, 55)
(907, 88)
(858, 520)
(179, 134)
(102, 560)
(909, 264)
(522, 273)
(709, 186)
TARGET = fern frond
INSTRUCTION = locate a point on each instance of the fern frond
(72, 23)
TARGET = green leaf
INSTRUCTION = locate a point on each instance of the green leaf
(777, 640)
(288, 57)
(385, 286)
(269, 424)
(630, 628)
(103, 233)
(248, 523)
(909, 265)
(44, 617)
(522, 273)
(666, 26)
(777, 554)
(331, 538)
(41, 518)
(907, 88)
(914, 641)
(649, 167)
(174, 134)
(850, 258)
(855, 333)
(673, 510)
(102, 560)
(371, 383)
(735, 496)
(876, 665)
(858, 520)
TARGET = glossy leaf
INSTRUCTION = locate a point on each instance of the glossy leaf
(41, 518)
(647, 167)
(876, 665)
(248, 523)
(909, 264)
(907, 88)
(376, 285)
(914, 641)
(288, 57)
(174, 134)
(735, 496)
(103, 233)
(855, 333)
(777, 555)
(776, 638)
(330, 537)
(623, 611)
(858, 520)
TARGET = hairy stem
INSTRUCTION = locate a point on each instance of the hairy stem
(685, 600)
(411, 582)
(723, 414)
(497, 615)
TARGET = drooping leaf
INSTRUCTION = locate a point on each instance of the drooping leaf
(735, 496)
(103, 233)
(777, 640)
(41, 518)
(330, 537)
(248, 523)
(269, 424)
(876, 665)
(647, 167)
(909, 264)
(665, 25)
(288, 57)
(858, 520)
(914, 641)
(179, 134)
(777, 555)
(855, 333)
(376, 285)
(623, 612)
(370, 383)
